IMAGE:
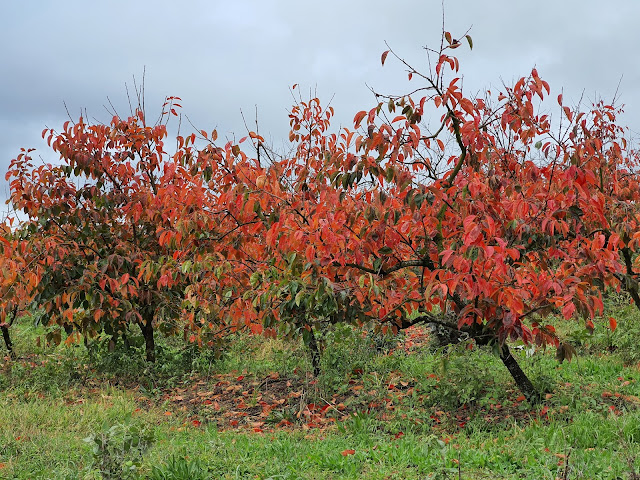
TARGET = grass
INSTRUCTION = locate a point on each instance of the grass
(382, 409)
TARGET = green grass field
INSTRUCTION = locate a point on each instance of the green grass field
(404, 410)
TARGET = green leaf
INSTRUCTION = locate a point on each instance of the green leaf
(468, 37)
(186, 266)
(255, 279)
(576, 211)
(377, 263)
(299, 298)
(306, 336)
(390, 173)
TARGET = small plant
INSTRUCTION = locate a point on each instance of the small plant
(467, 377)
(383, 343)
(180, 468)
(118, 450)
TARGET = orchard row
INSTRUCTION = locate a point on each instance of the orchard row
(492, 221)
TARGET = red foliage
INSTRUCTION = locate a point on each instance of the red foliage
(488, 221)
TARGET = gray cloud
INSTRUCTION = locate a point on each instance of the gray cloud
(222, 56)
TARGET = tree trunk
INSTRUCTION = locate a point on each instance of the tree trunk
(7, 340)
(5, 332)
(149, 342)
(315, 353)
(521, 379)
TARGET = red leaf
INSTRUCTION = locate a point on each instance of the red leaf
(568, 310)
(348, 452)
(467, 105)
(372, 115)
(612, 324)
(446, 255)
(384, 56)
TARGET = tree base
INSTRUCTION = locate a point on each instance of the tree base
(522, 381)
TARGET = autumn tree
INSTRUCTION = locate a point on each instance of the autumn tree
(486, 222)
(110, 224)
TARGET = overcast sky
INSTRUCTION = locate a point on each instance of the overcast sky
(222, 57)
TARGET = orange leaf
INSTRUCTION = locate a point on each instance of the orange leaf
(358, 118)
(348, 452)
(613, 324)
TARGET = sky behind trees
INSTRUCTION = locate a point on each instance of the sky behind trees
(224, 57)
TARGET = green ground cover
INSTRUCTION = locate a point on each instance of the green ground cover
(382, 409)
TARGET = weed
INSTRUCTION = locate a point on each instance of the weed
(118, 450)
(179, 467)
